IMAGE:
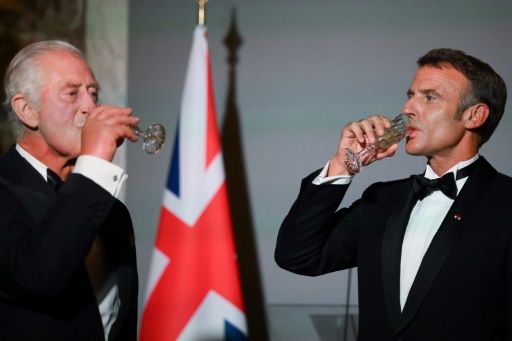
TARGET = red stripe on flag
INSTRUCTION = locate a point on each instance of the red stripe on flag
(202, 258)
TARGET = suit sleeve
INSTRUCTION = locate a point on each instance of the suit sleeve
(39, 258)
(315, 238)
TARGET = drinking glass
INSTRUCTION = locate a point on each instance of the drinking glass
(153, 138)
(399, 130)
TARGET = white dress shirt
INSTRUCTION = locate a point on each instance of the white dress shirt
(111, 178)
(426, 218)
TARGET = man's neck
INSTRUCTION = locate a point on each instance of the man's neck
(440, 166)
(60, 165)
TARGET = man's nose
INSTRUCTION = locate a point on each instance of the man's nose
(408, 107)
(88, 103)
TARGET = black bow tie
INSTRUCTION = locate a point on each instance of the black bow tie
(53, 179)
(423, 187)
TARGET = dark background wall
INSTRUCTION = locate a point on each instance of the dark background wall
(23, 22)
(305, 69)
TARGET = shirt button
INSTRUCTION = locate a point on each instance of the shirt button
(115, 178)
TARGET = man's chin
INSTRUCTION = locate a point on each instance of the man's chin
(411, 150)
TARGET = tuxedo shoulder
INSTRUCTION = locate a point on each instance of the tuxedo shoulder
(384, 188)
(503, 180)
(505, 177)
(393, 184)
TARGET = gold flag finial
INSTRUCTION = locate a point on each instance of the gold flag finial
(201, 12)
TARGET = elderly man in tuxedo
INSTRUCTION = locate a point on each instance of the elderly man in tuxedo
(433, 251)
(67, 255)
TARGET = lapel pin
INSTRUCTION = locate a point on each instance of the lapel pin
(457, 217)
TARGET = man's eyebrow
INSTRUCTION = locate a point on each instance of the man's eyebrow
(71, 84)
(430, 92)
(76, 84)
(94, 85)
(427, 92)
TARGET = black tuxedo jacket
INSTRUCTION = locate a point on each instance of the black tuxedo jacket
(45, 291)
(463, 288)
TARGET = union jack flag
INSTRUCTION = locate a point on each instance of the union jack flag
(194, 290)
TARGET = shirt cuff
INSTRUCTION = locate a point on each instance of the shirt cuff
(322, 179)
(109, 176)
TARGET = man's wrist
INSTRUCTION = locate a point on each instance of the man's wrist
(338, 168)
(104, 173)
(324, 179)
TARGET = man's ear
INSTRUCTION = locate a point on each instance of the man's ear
(476, 115)
(28, 115)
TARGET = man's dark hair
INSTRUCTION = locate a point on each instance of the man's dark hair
(485, 85)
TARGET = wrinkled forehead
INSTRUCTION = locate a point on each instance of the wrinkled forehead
(442, 76)
(64, 66)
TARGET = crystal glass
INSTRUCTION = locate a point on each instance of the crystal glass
(399, 130)
(152, 139)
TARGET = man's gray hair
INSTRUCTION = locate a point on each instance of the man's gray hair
(25, 76)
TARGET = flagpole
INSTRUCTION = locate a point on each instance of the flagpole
(201, 12)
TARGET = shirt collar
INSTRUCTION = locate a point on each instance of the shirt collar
(38, 165)
(430, 174)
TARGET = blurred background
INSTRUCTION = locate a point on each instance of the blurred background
(288, 75)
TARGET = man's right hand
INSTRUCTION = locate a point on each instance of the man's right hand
(355, 136)
(105, 129)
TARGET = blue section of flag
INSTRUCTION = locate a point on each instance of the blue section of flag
(173, 184)
(233, 333)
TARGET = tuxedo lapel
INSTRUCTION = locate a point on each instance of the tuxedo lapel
(445, 238)
(26, 184)
(392, 250)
